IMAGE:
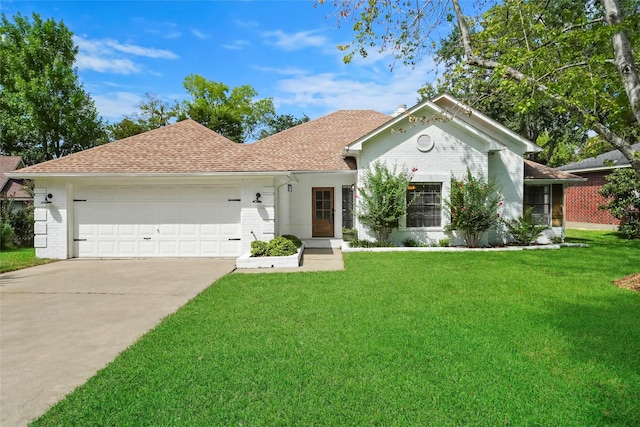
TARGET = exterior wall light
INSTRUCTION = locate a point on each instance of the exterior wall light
(257, 200)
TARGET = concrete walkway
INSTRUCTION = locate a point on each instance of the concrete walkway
(62, 322)
(312, 260)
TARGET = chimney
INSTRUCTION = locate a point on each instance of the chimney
(401, 109)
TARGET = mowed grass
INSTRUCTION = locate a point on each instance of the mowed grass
(522, 338)
(16, 259)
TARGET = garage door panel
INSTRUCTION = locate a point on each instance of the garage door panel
(148, 221)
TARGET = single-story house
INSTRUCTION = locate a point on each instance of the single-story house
(583, 199)
(184, 190)
(12, 188)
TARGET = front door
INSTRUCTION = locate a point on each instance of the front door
(322, 211)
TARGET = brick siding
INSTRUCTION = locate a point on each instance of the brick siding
(583, 200)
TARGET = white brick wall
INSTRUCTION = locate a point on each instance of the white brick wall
(51, 218)
(257, 219)
(453, 152)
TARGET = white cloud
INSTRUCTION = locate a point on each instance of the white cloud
(106, 65)
(148, 52)
(110, 56)
(284, 71)
(199, 34)
(236, 45)
(114, 105)
(293, 41)
(322, 93)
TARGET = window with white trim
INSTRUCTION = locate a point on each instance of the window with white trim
(426, 208)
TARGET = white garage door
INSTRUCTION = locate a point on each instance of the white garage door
(157, 221)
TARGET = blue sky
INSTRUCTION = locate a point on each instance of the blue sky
(286, 50)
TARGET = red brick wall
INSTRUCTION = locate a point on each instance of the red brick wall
(582, 200)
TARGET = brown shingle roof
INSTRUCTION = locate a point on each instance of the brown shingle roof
(318, 144)
(533, 170)
(188, 147)
(10, 187)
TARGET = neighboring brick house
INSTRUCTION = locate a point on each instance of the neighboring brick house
(583, 199)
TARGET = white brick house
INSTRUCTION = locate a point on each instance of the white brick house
(184, 190)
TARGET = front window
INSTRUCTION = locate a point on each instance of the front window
(426, 208)
(538, 197)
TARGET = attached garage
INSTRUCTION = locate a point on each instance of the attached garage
(156, 221)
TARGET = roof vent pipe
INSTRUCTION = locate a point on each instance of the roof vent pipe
(401, 109)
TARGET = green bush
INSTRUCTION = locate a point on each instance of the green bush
(258, 248)
(410, 243)
(472, 207)
(20, 221)
(623, 191)
(296, 241)
(6, 236)
(370, 244)
(525, 229)
(444, 242)
(281, 246)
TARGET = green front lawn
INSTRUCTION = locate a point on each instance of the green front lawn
(414, 338)
(15, 259)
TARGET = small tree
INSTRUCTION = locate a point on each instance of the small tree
(383, 199)
(525, 229)
(623, 189)
(473, 207)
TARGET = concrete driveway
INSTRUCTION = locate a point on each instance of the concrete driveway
(62, 322)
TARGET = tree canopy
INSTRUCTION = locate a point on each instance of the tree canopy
(573, 58)
(44, 111)
(233, 113)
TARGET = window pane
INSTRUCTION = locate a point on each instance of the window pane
(327, 195)
(426, 210)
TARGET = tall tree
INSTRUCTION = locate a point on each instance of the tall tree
(233, 113)
(45, 112)
(278, 123)
(577, 55)
(152, 113)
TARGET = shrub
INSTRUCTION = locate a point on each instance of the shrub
(525, 229)
(6, 236)
(623, 189)
(444, 242)
(20, 221)
(410, 243)
(258, 248)
(281, 246)
(383, 199)
(370, 244)
(473, 207)
(296, 241)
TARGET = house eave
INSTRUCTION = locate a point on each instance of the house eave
(35, 175)
(533, 181)
(595, 169)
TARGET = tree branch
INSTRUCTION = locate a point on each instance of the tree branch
(510, 72)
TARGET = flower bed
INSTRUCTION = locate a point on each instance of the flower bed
(291, 261)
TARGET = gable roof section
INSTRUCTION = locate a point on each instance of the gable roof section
(477, 119)
(10, 187)
(317, 145)
(183, 147)
(601, 162)
(449, 107)
(187, 147)
(8, 164)
(537, 173)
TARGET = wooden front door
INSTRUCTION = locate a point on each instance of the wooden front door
(322, 211)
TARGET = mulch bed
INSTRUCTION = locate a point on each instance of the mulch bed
(629, 282)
